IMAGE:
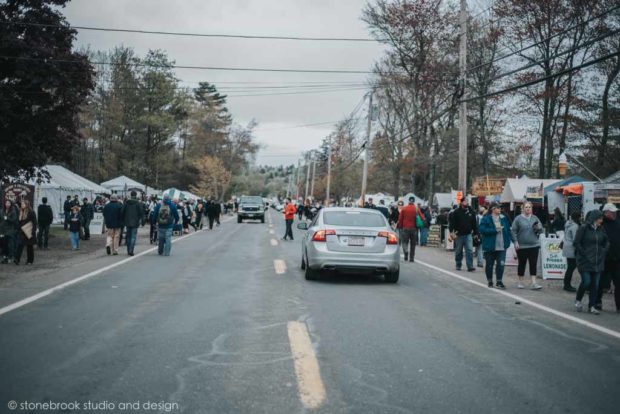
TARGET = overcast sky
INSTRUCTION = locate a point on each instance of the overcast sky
(277, 115)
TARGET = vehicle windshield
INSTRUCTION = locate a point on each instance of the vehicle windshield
(251, 200)
(353, 218)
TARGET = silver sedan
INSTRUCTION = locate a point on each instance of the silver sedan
(350, 240)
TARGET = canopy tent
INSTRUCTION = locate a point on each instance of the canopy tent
(515, 189)
(573, 182)
(387, 199)
(178, 195)
(124, 184)
(443, 200)
(64, 183)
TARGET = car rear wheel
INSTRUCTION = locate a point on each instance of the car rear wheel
(392, 277)
(303, 263)
(239, 219)
(262, 219)
(311, 274)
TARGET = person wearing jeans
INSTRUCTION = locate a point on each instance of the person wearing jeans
(132, 214)
(611, 270)
(45, 217)
(496, 238)
(463, 224)
(525, 231)
(75, 223)
(165, 216)
(568, 250)
(591, 245)
(289, 216)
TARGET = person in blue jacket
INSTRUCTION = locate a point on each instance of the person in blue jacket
(165, 217)
(496, 236)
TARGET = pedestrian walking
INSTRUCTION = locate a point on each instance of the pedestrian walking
(426, 214)
(496, 237)
(75, 223)
(132, 215)
(408, 229)
(185, 216)
(45, 217)
(211, 211)
(66, 208)
(218, 212)
(568, 249)
(526, 230)
(289, 216)
(27, 233)
(112, 216)
(165, 216)
(9, 224)
(393, 220)
(591, 245)
(611, 269)
(300, 208)
(463, 227)
(477, 241)
(199, 213)
(383, 209)
(88, 214)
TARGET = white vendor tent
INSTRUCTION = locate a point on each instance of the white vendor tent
(124, 184)
(64, 183)
(443, 200)
(418, 200)
(387, 199)
(515, 189)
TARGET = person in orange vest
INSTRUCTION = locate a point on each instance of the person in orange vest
(408, 229)
(289, 216)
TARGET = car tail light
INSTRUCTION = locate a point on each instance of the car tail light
(391, 237)
(321, 235)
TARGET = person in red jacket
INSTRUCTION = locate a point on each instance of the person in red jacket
(289, 216)
(408, 229)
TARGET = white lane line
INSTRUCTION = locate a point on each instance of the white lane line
(544, 308)
(57, 288)
(274, 242)
(272, 231)
(309, 383)
(280, 266)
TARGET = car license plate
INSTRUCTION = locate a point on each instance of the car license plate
(356, 241)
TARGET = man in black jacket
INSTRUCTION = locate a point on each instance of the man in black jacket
(611, 271)
(88, 214)
(463, 225)
(113, 218)
(45, 217)
(66, 208)
(133, 213)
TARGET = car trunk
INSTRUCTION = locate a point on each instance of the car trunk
(356, 240)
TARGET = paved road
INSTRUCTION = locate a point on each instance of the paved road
(219, 327)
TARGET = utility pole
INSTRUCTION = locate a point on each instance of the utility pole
(462, 185)
(307, 179)
(313, 175)
(329, 171)
(297, 180)
(366, 150)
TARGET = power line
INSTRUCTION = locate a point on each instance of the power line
(523, 49)
(188, 34)
(193, 67)
(538, 80)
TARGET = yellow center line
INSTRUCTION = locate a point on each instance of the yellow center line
(280, 266)
(310, 385)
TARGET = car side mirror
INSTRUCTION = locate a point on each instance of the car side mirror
(302, 226)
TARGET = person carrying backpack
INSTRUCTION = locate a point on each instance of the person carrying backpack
(165, 216)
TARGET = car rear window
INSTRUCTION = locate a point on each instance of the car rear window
(251, 200)
(353, 218)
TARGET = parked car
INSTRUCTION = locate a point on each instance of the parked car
(251, 207)
(350, 240)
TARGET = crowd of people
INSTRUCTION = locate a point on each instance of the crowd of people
(21, 228)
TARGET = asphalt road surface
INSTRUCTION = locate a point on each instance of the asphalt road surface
(228, 324)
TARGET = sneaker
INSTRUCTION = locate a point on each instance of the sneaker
(115, 254)
(594, 311)
(473, 269)
(500, 285)
(458, 268)
(108, 250)
(406, 256)
(490, 284)
(570, 289)
(578, 306)
(520, 286)
(535, 286)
